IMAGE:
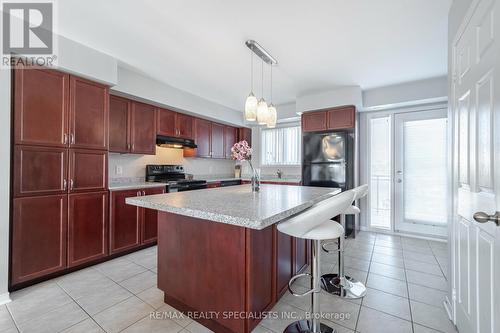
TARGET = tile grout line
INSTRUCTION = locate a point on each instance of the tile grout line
(12, 317)
(366, 282)
(408, 291)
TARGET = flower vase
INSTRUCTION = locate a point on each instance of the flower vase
(255, 178)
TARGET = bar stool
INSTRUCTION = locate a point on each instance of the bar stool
(340, 284)
(315, 224)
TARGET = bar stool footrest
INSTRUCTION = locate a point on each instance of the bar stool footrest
(331, 284)
(304, 326)
(295, 277)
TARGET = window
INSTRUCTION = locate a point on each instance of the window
(281, 146)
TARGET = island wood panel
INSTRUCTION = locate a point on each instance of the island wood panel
(87, 228)
(302, 253)
(208, 259)
(284, 261)
(41, 101)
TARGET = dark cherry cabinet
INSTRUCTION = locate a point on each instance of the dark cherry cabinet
(174, 124)
(314, 121)
(245, 133)
(41, 104)
(40, 170)
(124, 222)
(39, 229)
(88, 114)
(302, 253)
(149, 223)
(230, 138)
(143, 129)
(119, 124)
(87, 227)
(217, 141)
(343, 117)
(284, 261)
(203, 137)
(88, 170)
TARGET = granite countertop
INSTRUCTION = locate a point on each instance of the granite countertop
(263, 179)
(238, 205)
(132, 185)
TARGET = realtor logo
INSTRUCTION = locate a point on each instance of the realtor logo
(27, 28)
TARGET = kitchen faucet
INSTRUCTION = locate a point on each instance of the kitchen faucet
(279, 173)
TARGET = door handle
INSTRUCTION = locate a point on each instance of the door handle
(482, 217)
(65, 184)
(65, 139)
(71, 184)
(399, 180)
(72, 138)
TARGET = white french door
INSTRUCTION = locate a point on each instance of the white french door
(475, 103)
(420, 178)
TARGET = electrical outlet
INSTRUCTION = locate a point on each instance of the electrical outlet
(119, 170)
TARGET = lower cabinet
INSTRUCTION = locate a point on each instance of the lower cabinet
(39, 226)
(87, 227)
(131, 226)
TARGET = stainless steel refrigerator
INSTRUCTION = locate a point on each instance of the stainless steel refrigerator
(328, 161)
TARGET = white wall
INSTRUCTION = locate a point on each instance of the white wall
(409, 93)
(136, 84)
(134, 166)
(4, 182)
(349, 95)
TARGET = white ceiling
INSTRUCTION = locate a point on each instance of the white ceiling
(198, 45)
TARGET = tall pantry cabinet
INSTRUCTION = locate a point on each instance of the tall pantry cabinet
(60, 198)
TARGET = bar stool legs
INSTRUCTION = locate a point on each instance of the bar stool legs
(314, 324)
(340, 284)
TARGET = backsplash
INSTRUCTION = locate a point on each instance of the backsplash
(134, 166)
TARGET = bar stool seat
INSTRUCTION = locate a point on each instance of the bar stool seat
(315, 224)
(353, 210)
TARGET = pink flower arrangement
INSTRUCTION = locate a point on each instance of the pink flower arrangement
(241, 151)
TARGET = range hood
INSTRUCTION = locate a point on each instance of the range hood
(173, 142)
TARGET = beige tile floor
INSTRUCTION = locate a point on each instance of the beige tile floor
(406, 280)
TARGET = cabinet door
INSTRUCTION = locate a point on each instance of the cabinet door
(245, 133)
(40, 170)
(284, 263)
(184, 126)
(124, 224)
(88, 114)
(143, 129)
(166, 122)
(149, 232)
(41, 98)
(88, 170)
(230, 134)
(217, 142)
(314, 121)
(119, 125)
(203, 137)
(88, 217)
(39, 226)
(301, 254)
(341, 118)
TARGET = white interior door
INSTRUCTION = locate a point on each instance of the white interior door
(475, 105)
(420, 165)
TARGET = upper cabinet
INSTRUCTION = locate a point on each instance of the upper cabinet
(175, 124)
(61, 110)
(41, 107)
(333, 119)
(341, 118)
(230, 138)
(245, 133)
(217, 139)
(203, 137)
(88, 114)
(119, 124)
(143, 129)
(132, 127)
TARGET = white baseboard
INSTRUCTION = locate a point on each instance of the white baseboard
(4, 298)
(389, 232)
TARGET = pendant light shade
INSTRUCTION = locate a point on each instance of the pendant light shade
(262, 112)
(251, 108)
(272, 116)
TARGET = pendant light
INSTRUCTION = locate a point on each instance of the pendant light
(251, 102)
(272, 116)
(262, 108)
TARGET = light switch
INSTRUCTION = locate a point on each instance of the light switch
(119, 170)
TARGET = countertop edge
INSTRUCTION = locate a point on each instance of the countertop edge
(131, 186)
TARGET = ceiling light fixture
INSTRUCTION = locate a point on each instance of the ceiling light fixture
(260, 111)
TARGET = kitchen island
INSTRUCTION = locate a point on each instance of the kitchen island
(221, 259)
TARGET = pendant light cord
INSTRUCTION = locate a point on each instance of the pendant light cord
(271, 101)
(262, 76)
(251, 71)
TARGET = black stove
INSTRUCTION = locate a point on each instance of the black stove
(174, 178)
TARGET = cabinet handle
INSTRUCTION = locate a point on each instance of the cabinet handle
(71, 184)
(143, 192)
(133, 146)
(72, 138)
(128, 146)
(65, 139)
(138, 193)
(65, 184)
